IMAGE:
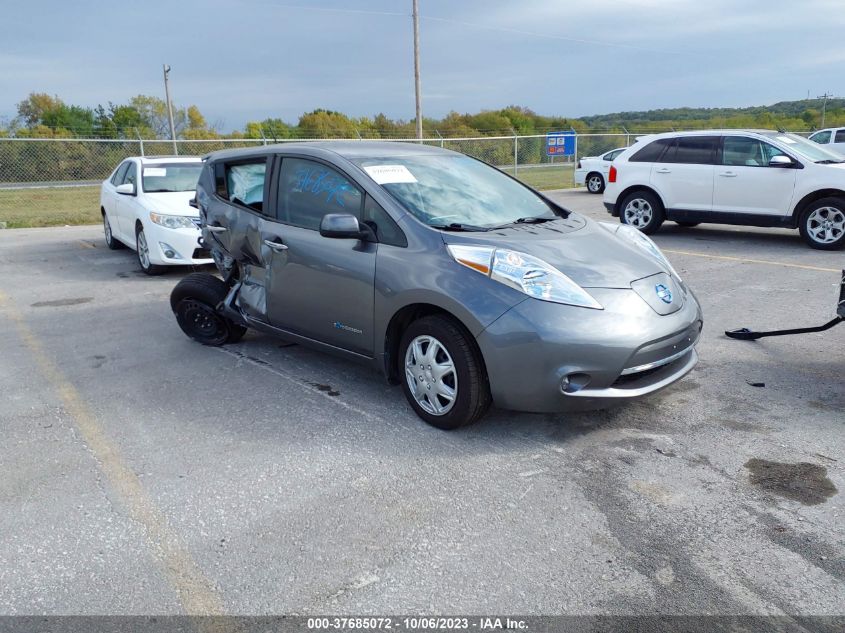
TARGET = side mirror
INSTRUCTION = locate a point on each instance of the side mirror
(781, 160)
(126, 189)
(341, 226)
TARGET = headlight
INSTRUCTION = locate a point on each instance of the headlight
(171, 221)
(643, 241)
(525, 273)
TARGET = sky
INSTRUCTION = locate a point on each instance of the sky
(245, 60)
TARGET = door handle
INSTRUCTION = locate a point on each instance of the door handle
(216, 229)
(276, 246)
(664, 171)
(728, 174)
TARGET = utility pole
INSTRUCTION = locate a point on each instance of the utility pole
(825, 96)
(169, 106)
(416, 17)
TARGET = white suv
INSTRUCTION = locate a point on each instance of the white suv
(832, 138)
(745, 177)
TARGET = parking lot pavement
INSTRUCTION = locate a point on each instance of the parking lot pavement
(144, 473)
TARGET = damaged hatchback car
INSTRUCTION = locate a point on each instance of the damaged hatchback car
(455, 280)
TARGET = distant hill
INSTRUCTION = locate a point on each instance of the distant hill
(805, 111)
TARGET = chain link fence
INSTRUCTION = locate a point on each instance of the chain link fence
(48, 182)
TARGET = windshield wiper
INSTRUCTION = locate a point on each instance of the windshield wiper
(528, 220)
(533, 220)
(456, 226)
(829, 161)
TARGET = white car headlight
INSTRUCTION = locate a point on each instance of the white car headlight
(171, 221)
(525, 273)
(643, 241)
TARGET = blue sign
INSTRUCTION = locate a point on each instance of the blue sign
(560, 143)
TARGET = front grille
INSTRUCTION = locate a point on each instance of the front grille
(627, 379)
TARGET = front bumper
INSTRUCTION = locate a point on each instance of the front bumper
(184, 243)
(531, 348)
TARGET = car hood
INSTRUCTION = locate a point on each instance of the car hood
(588, 253)
(172, 203)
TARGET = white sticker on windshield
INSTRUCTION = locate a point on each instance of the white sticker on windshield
(155, 172)
(390, 174)
(786, 139)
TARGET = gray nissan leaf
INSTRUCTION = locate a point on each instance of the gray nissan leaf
(451, 278)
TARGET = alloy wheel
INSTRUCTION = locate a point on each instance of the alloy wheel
(638, 213)
(431, 376)
(143, 250)
(825, 225)
(594, 183)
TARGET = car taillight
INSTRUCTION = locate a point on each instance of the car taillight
(611, 177)
(578, 165)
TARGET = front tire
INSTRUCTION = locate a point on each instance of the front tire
(595, 182)
(111, 241)
(642, 210)
(444, 377)
(194, 301)
(142, 250)
(822, 224)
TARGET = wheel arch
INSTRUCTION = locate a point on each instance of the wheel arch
(617, 207)
(810, 198)
(400, 320)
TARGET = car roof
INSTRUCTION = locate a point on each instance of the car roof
(347, 149)
(168, 159)
(720, 132)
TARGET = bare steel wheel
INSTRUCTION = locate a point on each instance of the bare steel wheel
(642, 210)
(194, 301)
(445, 379)
(822, 224)
(431, 376)
(595, 183)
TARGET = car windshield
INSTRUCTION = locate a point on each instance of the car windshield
(456, 192)
(167, 177)
(805, 148)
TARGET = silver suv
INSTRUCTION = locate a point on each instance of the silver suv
(451, 278)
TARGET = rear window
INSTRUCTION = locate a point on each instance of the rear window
(243, 182)
(692, 150)
(821, 137)
(652, 152)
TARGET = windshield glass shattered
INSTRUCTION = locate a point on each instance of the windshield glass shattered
(457, 192)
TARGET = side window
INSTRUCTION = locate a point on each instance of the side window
(652, 152)
(387, 231)
(117, 179)
(821, 137)
(840, 136)
(742, 151)
(131, 174)
(692, 150)
(308, 190)
(245, 183)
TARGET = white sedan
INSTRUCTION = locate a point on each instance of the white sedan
(592, 170)
(146, 206)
